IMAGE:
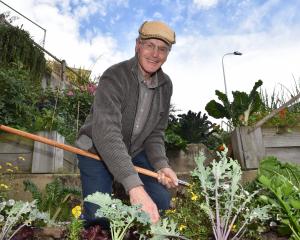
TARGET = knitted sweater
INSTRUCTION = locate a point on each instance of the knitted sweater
(108, 128)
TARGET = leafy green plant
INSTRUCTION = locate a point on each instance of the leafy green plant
(286, 118)
(18, 98)
(225, 198)
(195, 127)
(172, 139)
(17, 47)
(18, 214)
(283, 181)
(33, 109)
(123, 217)
(188, 128)
(186, 211)
(239, 110)
(54, 199)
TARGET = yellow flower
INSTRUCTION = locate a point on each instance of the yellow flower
(76, 211)
(170, 211)
(9, 164)
(16, 167)
(194, 196)
(191, 185)
(233, 228)
(0, 166)
(182, 227)
(21, 158)
(9, 170)
(3, 186)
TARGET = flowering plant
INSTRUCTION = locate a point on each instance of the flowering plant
(187, 213)
(76, 224)
(6, 175)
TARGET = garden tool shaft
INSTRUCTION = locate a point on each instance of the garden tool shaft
(74, 150)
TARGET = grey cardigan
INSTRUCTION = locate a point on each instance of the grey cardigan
(108, 128)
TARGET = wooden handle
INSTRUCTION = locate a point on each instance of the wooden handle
(71, 149)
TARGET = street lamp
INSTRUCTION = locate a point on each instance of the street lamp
(232, 53)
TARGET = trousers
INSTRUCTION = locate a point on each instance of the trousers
(95, 176)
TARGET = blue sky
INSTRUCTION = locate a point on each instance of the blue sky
(98, 33)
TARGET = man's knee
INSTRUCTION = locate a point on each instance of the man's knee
(162, 200)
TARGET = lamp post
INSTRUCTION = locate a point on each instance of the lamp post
(232, 53)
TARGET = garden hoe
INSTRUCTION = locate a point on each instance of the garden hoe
(74, 150)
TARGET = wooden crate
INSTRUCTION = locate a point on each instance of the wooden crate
(250, 147)
(48, 159)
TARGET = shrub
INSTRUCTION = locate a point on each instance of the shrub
(18, 98)
(17, 47)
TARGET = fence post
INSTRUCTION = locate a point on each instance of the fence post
(63, 74)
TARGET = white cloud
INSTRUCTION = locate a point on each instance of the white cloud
(157, 15)
(257, 14)
(205, 4)
(196, 68)
(194, 63)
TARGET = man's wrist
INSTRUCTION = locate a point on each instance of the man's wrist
(131, 182)
(136, 190)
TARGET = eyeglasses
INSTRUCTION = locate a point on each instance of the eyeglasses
(151, 47)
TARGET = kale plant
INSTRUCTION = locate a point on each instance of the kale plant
(20, 214)
(225, 198)
(123, 217)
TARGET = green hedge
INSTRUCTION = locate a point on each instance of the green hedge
(17, 49)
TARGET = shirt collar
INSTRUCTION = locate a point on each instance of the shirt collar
(150, 83)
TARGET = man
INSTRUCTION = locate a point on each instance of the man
(126, 126)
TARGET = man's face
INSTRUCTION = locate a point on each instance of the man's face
(152, 53)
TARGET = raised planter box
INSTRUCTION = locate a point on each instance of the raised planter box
(36, 157)
(17, 151)
(250, 147)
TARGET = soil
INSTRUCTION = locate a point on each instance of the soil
(273, 236)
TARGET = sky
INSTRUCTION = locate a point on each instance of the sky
(95, 34)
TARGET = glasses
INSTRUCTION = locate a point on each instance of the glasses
(151, 48)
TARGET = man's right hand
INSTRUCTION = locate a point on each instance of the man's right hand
(138, 196)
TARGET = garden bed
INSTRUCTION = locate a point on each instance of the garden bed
(249, 147)
(36, 157)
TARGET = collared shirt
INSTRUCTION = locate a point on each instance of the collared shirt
(146, 91)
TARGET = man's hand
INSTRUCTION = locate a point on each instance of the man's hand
(164, 174)
(138, 196)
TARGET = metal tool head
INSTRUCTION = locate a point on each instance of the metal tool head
(184, 183)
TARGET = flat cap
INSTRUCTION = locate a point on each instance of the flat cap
(159, 30)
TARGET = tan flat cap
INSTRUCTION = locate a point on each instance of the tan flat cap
(156, 29)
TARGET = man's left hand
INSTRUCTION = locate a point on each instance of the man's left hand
(167, 177)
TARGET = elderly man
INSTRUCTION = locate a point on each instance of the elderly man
(126, 126)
